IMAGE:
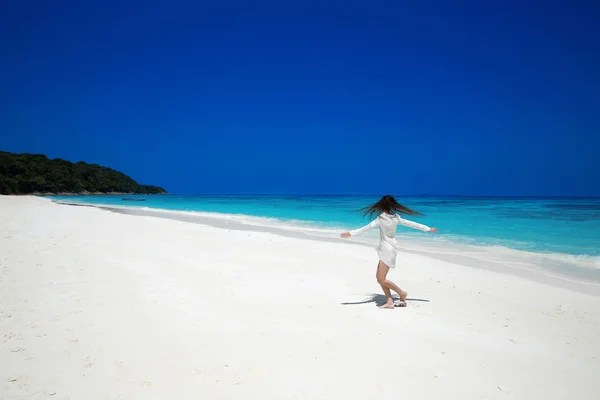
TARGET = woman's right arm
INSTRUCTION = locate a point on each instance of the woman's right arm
(373, 224)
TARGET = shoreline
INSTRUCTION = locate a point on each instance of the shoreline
(532, 273)
(587, 260)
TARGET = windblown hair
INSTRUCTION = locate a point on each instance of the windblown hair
(387, 204)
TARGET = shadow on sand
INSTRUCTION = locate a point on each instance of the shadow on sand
(379, 300)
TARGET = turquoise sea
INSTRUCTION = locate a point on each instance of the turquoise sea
(562, 232)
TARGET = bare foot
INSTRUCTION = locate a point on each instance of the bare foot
(400, 303)
(403, 296)
(387, 305)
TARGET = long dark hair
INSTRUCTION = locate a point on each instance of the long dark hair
(387, 204)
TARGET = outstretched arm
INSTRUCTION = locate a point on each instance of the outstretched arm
(415, 225)
(373, 224)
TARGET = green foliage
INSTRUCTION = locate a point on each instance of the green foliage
(36, 173)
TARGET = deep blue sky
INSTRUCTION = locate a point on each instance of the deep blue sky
(409, 97)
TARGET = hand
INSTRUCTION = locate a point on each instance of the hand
(345, 235)
(433, 230)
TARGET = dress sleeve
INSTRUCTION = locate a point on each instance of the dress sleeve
(414, 225)
(373, 224)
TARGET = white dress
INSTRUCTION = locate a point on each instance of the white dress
(387, 248)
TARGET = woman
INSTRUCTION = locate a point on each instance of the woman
(388, 212)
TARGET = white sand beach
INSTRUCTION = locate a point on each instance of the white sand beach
(102, 305)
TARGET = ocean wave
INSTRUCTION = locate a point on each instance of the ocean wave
(250, 220)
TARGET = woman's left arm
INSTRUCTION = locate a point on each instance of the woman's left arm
(415, 225)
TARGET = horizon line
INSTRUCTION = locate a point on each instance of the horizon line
(376, 194)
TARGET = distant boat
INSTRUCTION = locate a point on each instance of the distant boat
(126, 199)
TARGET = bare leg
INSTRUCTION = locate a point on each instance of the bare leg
(388, 297)
(382, 271)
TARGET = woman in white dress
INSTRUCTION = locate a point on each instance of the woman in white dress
(388, 212)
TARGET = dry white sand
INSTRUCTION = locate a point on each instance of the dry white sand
(99, 305)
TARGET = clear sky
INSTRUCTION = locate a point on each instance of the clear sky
(408, 97)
